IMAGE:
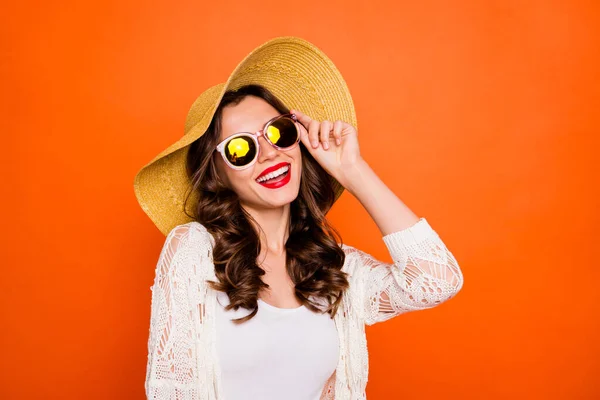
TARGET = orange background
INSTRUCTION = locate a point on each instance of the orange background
(492, 110)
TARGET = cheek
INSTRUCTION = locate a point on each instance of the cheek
(238, 180)
(298, 158)
(234, 180)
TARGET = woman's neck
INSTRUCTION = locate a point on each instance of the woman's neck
(273, 227)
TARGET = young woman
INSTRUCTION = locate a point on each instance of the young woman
(256, 296)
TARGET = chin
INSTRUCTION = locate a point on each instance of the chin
(280, 198)
(261, 197)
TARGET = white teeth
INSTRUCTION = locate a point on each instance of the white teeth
(273, 174)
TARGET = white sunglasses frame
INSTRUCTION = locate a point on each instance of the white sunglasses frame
(254, 136)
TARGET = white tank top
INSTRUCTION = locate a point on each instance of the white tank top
(281, 353)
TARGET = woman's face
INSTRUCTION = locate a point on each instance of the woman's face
(250, 115)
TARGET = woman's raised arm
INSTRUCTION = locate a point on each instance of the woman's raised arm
(424, 274)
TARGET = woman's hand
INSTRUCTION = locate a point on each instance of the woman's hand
(333, 144)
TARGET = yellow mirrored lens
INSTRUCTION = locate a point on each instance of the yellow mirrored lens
(237, 147)
(273, 134)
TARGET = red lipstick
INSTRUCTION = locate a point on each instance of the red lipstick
(271, 169)
(279, 181)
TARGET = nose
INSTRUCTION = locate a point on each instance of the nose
(266, 152)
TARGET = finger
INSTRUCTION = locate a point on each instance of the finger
(313, 133)
(310, 124)
(302, 118)
(337, 132)
(303, 131)
(304, 135)
(325, 129)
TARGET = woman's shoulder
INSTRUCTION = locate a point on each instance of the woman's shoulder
(190, 226)
(350, 252)
(195, 244)
(190, 232)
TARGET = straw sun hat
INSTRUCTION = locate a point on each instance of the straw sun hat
(294, 70)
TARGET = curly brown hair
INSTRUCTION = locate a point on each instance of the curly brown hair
(314, 256)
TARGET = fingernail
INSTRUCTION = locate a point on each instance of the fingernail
(326, 145)
(338, 141)
(315, 144)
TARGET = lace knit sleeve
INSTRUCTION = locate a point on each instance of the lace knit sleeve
(171, 371)
(423, 275)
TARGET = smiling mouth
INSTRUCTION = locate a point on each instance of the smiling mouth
(277, 178)
(274, 175)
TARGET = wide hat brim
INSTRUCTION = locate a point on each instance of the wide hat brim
(294, 70)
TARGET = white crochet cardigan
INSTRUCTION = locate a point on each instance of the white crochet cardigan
(182, 362)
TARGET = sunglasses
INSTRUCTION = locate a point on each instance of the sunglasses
(241, 149)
